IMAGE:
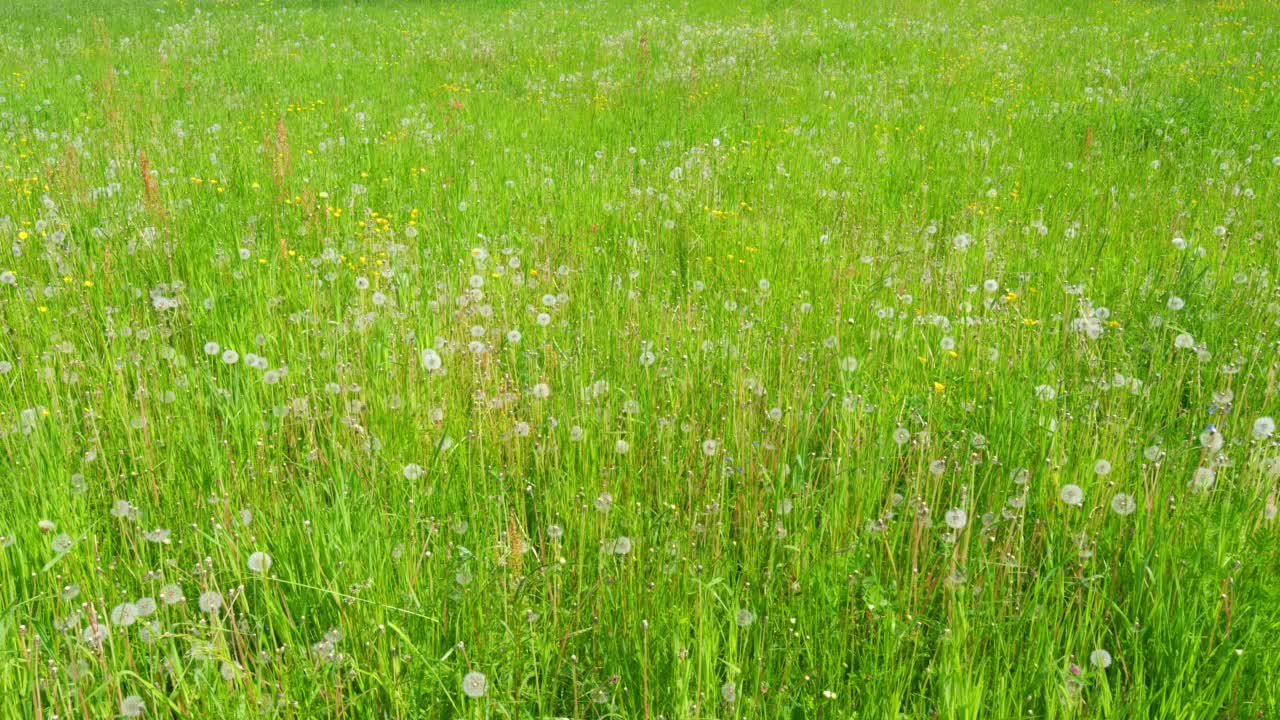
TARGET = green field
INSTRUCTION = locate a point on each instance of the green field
(847, 359)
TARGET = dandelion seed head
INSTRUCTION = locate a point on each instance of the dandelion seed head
(474, 684)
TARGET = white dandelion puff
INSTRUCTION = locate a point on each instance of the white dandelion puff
(1123, 504)
(1071, 494)
(259, 562)
(171, 594)
(1263, 427)
(1202, 479)
(474, 684)
(210, 601)
(132, 706)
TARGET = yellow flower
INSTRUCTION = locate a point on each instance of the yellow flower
(939, 387)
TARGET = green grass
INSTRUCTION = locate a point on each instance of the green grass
(828, 272)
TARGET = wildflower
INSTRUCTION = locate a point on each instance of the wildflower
(259, 562)
(744, 618)
(123, 615)
(955, 518)
(1100, 659)
(1211, 439)
(1122, 504)
(1263, 427)
(729, 692)
(171, 594)
(1102, 467)
(474, 684)
(95, 633)
(1202, 479)
(210, 601)
(1071, 494)
(132, 707)
(412, 471)
(622, 545)
(603, 502)
(431, 360)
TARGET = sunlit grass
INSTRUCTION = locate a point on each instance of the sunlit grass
(536, 360)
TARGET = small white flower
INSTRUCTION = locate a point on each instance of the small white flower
(474, 684)
(1123, 504)
(210, 601)
(1202, 479)
(259, 562)
(132, 707)
(1100, 659)
(1071, 494)
(1263, 427)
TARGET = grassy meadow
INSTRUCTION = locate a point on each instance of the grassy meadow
(536, 359)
